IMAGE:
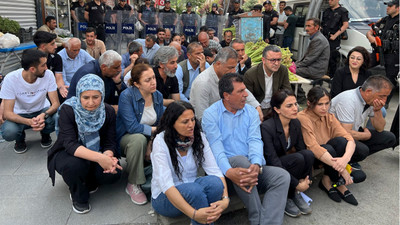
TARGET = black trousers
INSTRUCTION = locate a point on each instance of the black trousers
(377, 142)
(299, 165)
(82, 175)
(333, 59)
(337, 147)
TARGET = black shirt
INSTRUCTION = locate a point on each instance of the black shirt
(267, 18)
(232, 15)
(125, 8)
(390, 33)
(188, 19)
(96, 12)
(171, 85)
(167, 17)
(332, 20)
(54, 63)
(79, 10)
(148, 14)
(342, 80)
(223, 43)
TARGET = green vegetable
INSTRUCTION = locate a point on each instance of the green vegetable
(9, 26)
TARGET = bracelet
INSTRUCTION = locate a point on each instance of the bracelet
(118, 82)
(225, 197)
(194, 214)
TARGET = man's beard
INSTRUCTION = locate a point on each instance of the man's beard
(169, 73)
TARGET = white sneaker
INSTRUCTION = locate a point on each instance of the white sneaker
(136, 194)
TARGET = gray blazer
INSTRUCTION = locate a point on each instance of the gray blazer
(314, 63)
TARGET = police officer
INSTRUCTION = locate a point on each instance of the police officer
(387, 29)
(270, 21)
(168, 16)
(94, 14)
(335, 21)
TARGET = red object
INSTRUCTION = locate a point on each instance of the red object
(160, 2)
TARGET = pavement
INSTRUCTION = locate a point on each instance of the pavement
(28, 197)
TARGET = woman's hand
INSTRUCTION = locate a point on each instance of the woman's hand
(345, 174)
(339, 164)
(109, 163)
(207, 215)
(303, 185)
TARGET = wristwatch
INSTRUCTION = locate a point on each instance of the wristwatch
(46, 115)
(261, 169)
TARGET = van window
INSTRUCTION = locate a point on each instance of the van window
(301, 11)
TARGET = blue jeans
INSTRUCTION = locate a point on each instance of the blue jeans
(199, 194)
(287, 42)
(16, 132)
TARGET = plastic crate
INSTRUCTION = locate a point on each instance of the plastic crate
(25, 35)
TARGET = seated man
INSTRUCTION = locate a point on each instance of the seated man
(267, 77)
(205, 41)
(164, 70)
(150, 47)
(211, 34)
(50, 25)
(244, 62)
(204, 91)
(233, 130)
(25, 104)
(108, 67)
(227, 38)
(210, 55)
(73, 58)
(188, 69)
(93, 46)
(353, 107)
(135, 50)
(178, 48)
(46, 42)
(160, 36)
(314, 63)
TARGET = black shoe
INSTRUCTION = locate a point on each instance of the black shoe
(46, 141)
(348, 197)
(332, 193)
(355, 166)
(20, 147)
(81, 208)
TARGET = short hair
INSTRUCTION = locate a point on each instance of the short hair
(228, 31)
(317, 22)
(164, 54)
(151, 37)
(72, 40)
(225, 54)
(236, 41)
(288, 8)
(377, 83)
(109, 57)
(192, 46)
(210, 29)
(203, 28)
(49, 19)
(174, 35)
(270, 48)
(90, 30)
(315, 94)
(133, 47)
(364, 54)
(207, 52)
(257, 7)
(142, 60)
(160, 29)
(31, 58)
(43, 37)
(282, 2)
(136, 73)
(225, 84)
(277, 100)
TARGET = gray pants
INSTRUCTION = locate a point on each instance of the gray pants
(274, 182)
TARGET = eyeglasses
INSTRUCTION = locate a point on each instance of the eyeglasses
(274, 60)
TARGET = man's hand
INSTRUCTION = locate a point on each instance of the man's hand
(63, 89)
(37, 123)
(303, 185)
(246, 179)
(367, 134)
(378, 104)
(333, 37)
(201, 59)
(260, 113)
(133, 58)
(243, 60)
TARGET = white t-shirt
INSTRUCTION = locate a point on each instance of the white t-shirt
(149, 116)
(29, 98)
(266, 103)
(282, 17)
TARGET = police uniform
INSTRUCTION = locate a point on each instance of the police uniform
(167, 17)
(332, 21)
(96, 18)
(389, 34)
(268, 17)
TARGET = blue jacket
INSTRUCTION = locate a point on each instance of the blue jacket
(130, 111)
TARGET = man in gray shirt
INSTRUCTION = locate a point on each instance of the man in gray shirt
(353, 107)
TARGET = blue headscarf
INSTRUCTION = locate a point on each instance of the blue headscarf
(88, 122)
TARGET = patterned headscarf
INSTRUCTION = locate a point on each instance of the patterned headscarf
(88, 122)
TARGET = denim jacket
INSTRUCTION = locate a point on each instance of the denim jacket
(130, 111)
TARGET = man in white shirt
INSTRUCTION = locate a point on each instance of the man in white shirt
(282, 18)
(25, 104)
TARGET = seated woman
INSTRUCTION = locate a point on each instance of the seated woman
(284, 147)
(85, 150)
(140, 108)
(330, 143)
(354, 73)
(179, 149)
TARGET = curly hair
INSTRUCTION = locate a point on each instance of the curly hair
(170, 116)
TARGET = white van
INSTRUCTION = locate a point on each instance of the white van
(361, 13)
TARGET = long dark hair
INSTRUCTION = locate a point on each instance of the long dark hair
(276, 101)
(171, 114)
(364, 54)
(315, 94)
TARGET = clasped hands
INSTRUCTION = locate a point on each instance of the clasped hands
(37, 123)
(109, 163)
(245, 178)
(212, 213)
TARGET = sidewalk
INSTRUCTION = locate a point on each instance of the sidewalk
(27, 196)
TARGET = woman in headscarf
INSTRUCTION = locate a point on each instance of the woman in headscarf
(85, 151)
